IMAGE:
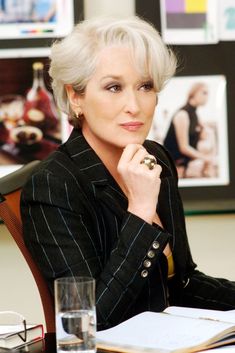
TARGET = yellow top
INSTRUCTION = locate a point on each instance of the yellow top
(38, 65)
(171, 266)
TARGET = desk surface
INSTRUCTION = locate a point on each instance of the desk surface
(48, 345)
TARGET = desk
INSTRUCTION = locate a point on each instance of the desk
(48, 345)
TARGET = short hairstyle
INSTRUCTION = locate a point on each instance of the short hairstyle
(194, 89)
(73, 59)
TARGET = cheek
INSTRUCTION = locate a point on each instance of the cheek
(94, 108)
(151, 105)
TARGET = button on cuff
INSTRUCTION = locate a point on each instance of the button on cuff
(147, 263)
(155, 245)
(151, 254)
(144, 273)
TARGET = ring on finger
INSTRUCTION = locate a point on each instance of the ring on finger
(150, 161)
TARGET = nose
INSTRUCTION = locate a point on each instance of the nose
(132, 105)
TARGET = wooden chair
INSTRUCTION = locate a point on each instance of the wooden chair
(10, 190)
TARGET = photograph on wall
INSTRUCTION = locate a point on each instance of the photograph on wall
(190, 120)
(227, 20)
(35, 18)
(189, 21)
(31, 127)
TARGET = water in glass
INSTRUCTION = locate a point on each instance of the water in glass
(75, 331)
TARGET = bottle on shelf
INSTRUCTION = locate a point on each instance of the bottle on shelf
(39, 107)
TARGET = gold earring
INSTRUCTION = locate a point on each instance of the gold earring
(78, 114)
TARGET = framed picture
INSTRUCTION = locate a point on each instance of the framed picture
(227, 20)
(26, 132)
(34, 19)
(26, 24)
(30, 125)
(189, 21)
(212, 62)
(202, 98)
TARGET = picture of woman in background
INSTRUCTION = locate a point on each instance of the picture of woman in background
(191, 143)
(27, 11)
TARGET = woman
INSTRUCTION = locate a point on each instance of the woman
(106, 204)
(185, 133)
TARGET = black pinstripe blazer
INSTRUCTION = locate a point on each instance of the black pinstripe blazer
(76, 222)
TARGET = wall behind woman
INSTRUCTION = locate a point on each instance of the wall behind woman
(108, 7)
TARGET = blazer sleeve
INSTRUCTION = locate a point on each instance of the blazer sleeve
(64, 235)
(199, 290)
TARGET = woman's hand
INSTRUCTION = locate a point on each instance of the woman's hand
(141, 184)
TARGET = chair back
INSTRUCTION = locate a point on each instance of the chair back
(10, 191)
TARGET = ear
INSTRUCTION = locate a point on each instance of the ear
(73, 97)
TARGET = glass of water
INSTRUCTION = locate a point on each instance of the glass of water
(75, 314)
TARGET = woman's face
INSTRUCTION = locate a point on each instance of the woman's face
(118, 103)
(201, 96)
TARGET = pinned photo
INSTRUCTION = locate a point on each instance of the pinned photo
(191, 122)
(189, 21)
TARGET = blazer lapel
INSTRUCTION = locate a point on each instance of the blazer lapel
(102, 184)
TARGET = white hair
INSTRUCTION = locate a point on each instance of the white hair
(74, 58)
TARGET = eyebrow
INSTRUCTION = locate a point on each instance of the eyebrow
(118, 77)
(115, 77)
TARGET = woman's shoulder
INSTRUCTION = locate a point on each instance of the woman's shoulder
(54, 177)
(57, 169)
(60, 162)
(57, 163)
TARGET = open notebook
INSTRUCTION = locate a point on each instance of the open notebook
(175, 330)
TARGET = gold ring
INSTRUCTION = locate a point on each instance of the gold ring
(149, 161)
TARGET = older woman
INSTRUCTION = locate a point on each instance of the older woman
(106, 203)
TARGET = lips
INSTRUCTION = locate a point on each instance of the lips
(132, 125)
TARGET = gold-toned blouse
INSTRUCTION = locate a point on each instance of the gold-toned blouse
(171, 266)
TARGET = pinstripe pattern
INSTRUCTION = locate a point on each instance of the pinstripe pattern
(76, 223)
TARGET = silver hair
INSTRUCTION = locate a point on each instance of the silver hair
(74, 58)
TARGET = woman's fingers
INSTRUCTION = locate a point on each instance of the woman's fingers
(136, 156)
(131, 151)
(141, 177)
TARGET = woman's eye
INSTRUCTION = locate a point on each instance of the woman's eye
(114, 88)
(147, 86)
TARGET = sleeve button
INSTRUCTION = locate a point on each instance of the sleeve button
(147, 263)
(144, 273)
(151, 254)
(155, 245)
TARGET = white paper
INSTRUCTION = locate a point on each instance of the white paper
(227, 349)
(227, 20)
(8, 329)
(150, 330)
(189, 21)
(226, 316)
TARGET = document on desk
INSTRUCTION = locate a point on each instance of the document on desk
(176, 330)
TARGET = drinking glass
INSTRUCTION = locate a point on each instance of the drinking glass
(75, 314)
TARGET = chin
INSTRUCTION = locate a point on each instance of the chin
(137, 141)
